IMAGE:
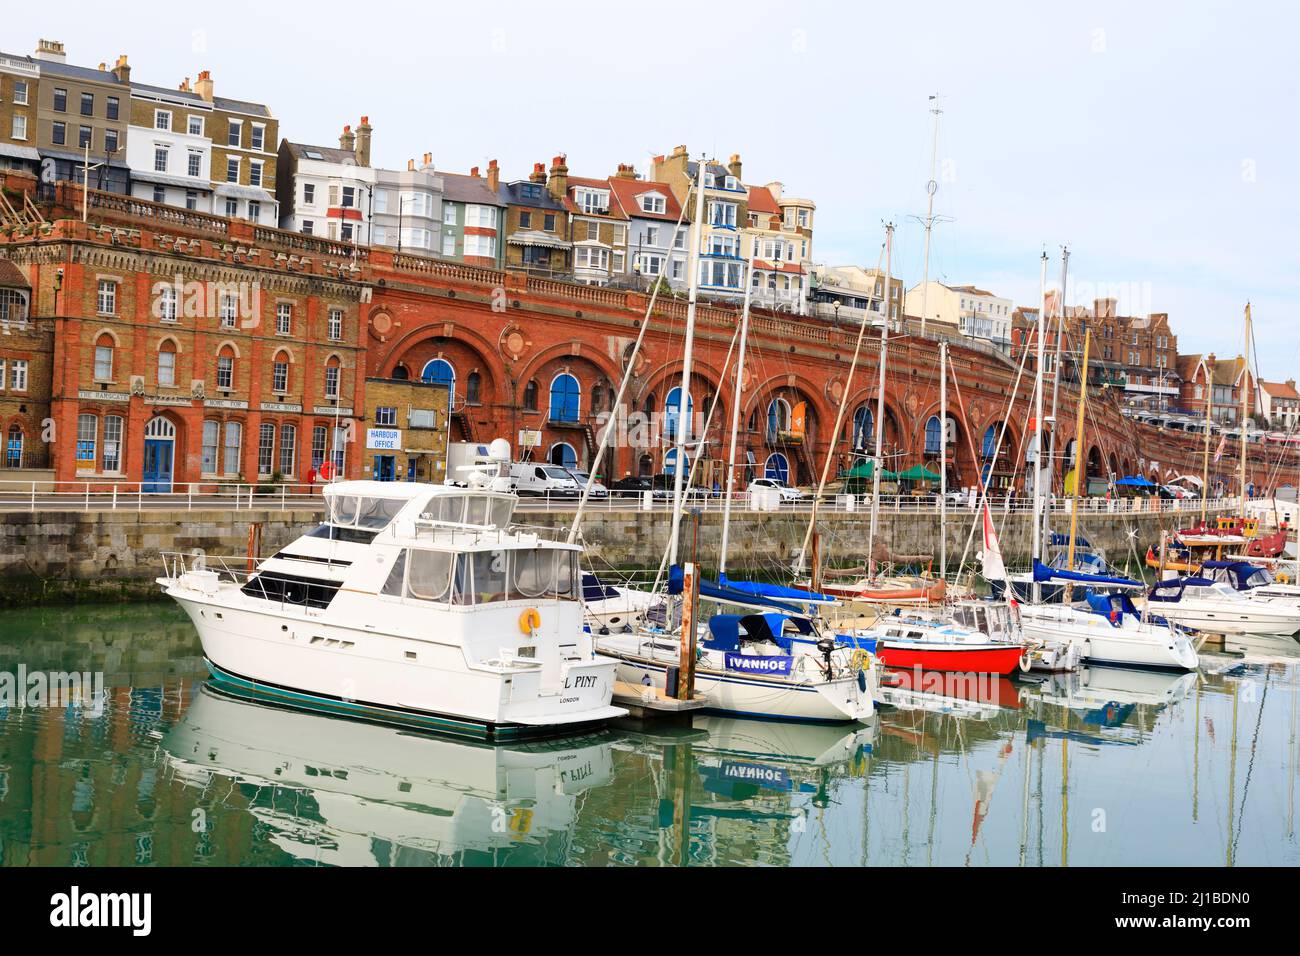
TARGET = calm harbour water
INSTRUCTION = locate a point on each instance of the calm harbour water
(1106, 768)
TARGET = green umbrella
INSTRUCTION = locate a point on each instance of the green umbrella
(866, 469)
(919, 473)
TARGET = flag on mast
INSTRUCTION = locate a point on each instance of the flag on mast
(1218, 452)
(991, 554)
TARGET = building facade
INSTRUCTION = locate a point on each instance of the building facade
(82, 120)
(169, 148)
(726, 212)
(1279, 405)
(853, 294)
(473, 216)
(244, 140)
(973, 312)
(19, 94)
(328, 192)
(536, 227)
(406, 213)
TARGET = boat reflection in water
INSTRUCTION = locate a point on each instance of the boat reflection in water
(976, 696)
(341, 792)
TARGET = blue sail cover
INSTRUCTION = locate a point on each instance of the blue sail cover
(1043, 573)
(727, 595)
(778, 591)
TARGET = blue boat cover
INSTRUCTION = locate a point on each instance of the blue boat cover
(1172, 588)
(727, 595)
(1043, 573)
(778, 591)
(724, 632)
(593, 589)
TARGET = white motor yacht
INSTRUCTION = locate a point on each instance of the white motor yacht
(413, 604)
(1218, 608)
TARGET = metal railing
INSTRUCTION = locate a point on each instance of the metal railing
(104, 495)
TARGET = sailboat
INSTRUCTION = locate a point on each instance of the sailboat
(767, 655)
(1219, 606)
(1106, 627)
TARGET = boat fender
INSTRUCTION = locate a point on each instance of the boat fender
(1026, 661)
(530, 621)
(862, 681)
(1283, 578)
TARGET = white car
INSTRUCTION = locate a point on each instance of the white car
(597, 489)
(787, 493)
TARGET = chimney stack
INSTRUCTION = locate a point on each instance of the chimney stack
(203, 86)
(410, 165)
(473, 171)
(733, 167)
(493, 175)
(185, 86)
(428, 161)
(363, 142)
(625, 171)
(538, 174)
(122, 70)
(51, 50)
(559, 182)
(348, 140)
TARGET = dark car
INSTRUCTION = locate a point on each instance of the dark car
(632, 486)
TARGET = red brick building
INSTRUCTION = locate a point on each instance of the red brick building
(521, 354)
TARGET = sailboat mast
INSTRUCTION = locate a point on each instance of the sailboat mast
(931, 188)
(1080, 461)
(1056, 365)
(1245, 408)
(943, 461)
(880, 408)
(1038, 424)
(684, 399)
(735, 417)
(1205, 458)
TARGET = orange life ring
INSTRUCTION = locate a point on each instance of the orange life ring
(530, 621)
(326, 470)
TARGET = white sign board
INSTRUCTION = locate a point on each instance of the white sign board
(529, 439)
(384, 439)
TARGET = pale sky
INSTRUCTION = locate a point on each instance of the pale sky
(1159, 140)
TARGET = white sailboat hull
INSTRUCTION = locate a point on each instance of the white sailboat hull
(1098, 641)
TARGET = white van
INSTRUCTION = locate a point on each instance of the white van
(540, 478)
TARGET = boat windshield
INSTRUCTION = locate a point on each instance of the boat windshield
(485, 577)
(371, 514)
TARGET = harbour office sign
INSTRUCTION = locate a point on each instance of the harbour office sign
(384, 439)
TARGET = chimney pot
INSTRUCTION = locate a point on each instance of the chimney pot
(474, 171)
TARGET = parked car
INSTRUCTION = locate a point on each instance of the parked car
(787, 493)
(665, 483)
(539, 478)
(635, 486)
(597, 489)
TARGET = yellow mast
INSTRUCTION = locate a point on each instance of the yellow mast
(1205, 461)
(1245, 408)
(1079, 460)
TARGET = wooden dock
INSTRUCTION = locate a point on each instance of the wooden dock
(647, 704)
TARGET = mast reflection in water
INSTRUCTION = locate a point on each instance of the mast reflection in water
(1101, 767)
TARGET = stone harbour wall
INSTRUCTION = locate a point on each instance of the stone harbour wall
(61, 557)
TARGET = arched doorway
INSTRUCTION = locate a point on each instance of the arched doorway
(778, 467)
(159, 455)
(565, 399)
(440, 372)
(864, 430)
(562, 454)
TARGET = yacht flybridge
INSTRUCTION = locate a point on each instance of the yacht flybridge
(412, 604)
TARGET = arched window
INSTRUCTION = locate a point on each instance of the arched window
(473, 383)
(530, 396)
(401, 373)
(933, 436)
(562, 454)
(566, 396)
(672, 412)
(990, 441)
(777, 467)
(670, 462)
(753, 420)
(14, 447)
(649, 407)
(439, 372)
(226, 368)
(104, 358)
(167, 363)
(864, 429)
(645, 466)
(332, 377)
(280, 372)
(597, 398)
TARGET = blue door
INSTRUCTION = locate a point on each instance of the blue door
(157, 475)
(385, 468)
(777, 467)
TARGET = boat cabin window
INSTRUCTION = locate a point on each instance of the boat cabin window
(293, 589)
(372, 514)
(485, 577)
(492, 511)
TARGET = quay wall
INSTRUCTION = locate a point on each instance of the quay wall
(65, 557)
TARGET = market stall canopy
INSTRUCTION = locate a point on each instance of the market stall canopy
(918, 473)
